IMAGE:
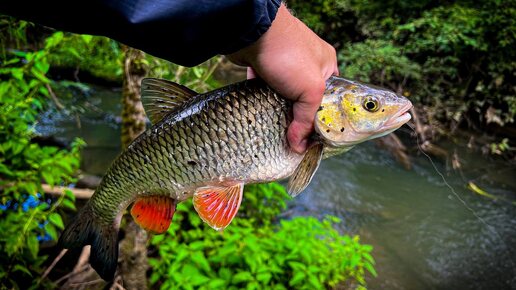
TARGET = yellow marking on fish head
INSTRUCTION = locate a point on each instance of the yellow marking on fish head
(352, 112)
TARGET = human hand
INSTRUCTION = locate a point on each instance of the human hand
(294, 61)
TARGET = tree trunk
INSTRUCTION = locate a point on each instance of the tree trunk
(133, 115)
(133, 248)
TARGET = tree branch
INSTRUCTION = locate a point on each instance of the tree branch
(82, 193)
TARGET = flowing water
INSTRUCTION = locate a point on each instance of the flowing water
(424, 237)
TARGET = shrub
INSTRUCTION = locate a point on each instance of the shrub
(26, 215)
(456, 55)
(255, 252)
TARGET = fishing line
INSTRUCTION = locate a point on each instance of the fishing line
(483, 221)
(444, 179)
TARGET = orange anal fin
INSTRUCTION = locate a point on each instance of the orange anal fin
(217, 206)
(154, 213)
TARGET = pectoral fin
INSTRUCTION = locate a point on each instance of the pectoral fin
(305, 170)
(217, 206)
(154, 213)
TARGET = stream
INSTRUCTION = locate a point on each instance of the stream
(424, 236)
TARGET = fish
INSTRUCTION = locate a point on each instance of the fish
(207, 146)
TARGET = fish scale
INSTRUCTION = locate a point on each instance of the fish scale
(210, 145)
(182, 153)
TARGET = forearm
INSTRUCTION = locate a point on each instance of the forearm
(183, 31)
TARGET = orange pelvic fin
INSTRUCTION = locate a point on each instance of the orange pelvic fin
(154, 213)
(217, 206)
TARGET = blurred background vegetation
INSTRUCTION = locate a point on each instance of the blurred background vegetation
(454, 59)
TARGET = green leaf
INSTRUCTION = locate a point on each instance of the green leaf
(198, 245)
(242, 277)
(69, 194)
(297, 265)
(225, 273)
(55, 218)
(217, 284)
(21, 268)
(33, 245)
(5, 170)
(198, 279)
(197, 71)
(51, 231)
(315, 282)
(253, 285)
(368, 258)
(190, 270)
(17, 74)
(42, 66)
(264, 277)
(65, 164)
(182, 256)
(371, 269)
(355, 259)
(30, 187)
(86, 38)
(252, 261)
(298, 277)
(17, 148)
(39, 75)
(49, 178)
(74, 52)
(54, 39)
(198, 257)
(68, 204)
(155, 277)
(37, 104)
(156, 239)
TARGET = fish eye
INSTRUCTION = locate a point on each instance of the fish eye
(371, 104)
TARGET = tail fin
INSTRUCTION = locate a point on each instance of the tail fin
(86, 230)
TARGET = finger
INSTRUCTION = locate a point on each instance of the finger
(333, 65)
(304, 111)
(251, 74)
(295, 134)
(336, 71)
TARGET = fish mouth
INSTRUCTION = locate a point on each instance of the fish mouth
(401, 117)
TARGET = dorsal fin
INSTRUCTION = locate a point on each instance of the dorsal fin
(160, 97)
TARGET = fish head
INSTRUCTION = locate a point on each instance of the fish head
(352, 112)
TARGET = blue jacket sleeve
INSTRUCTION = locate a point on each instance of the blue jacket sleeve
(186, 32)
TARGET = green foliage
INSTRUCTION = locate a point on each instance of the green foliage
(255, 253)
(454, 55)
(23, 227)
(263, 203)
(377, 61)
(103, 58)
(198, 78)
(26, 216)
(12, 34)
(500, 148)
(325, 17)
(99, 56)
